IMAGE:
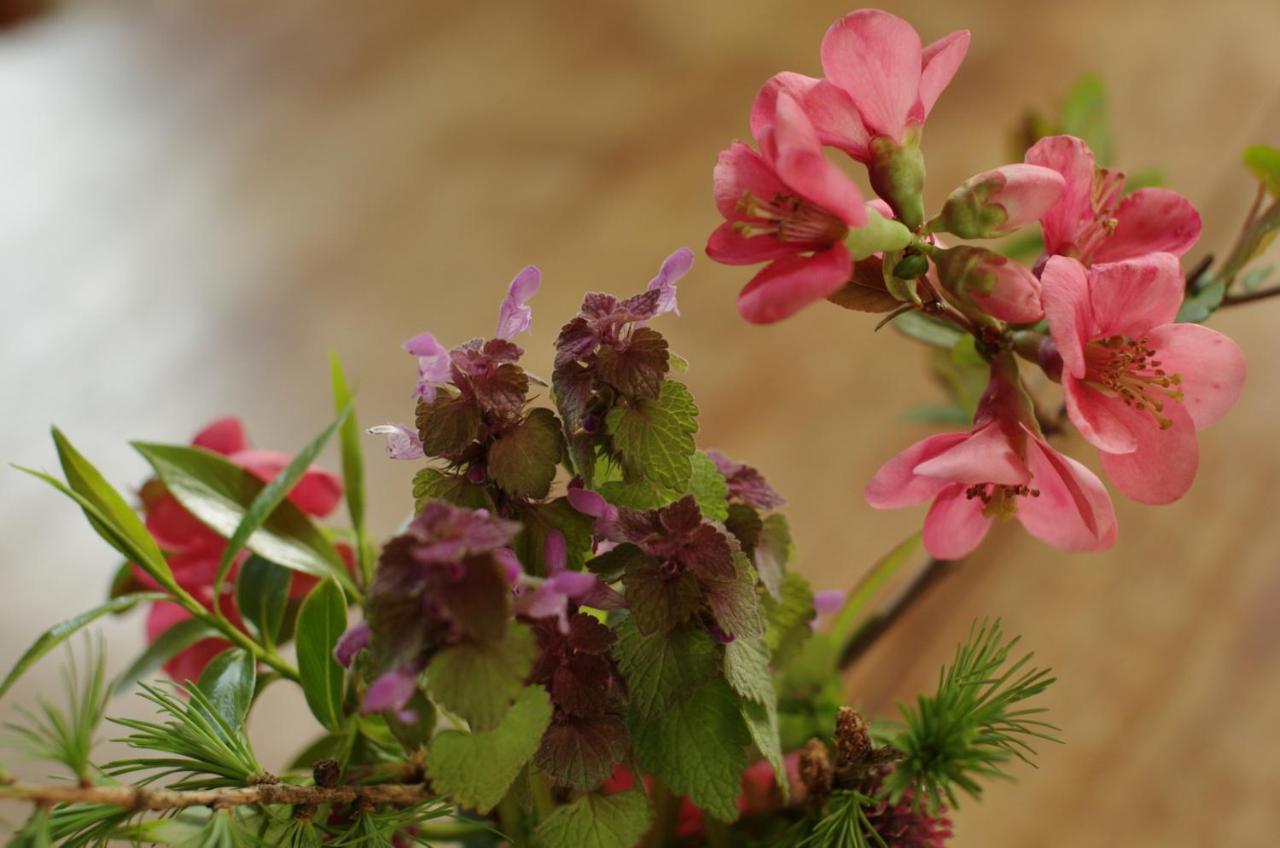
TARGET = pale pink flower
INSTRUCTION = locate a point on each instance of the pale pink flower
(673, 269)
(1137, 385)
(434, 365)
(789, 206)
(402, 442)
(1002, 468)
(515, 316)
(1094, 222)
(1001, 201)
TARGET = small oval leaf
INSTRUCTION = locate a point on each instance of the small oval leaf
(321, 621)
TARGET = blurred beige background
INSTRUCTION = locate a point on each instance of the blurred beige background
(199, 200)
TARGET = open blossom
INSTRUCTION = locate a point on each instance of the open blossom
(515, 316)
(1002, 468)
(789, 206)
(1137, 385)
(1094, 222)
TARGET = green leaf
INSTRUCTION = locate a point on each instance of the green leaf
(655, 437)
(698, 746)
(1199, 306)
(600, 821)
(448, 424)
(638, 369)
(746, 668)
(229, 681)
(321, 622)
(582, 752)
(661, 667)
(523, 461)
(1263, 161)
(56, 635)
(842, 626)
(431, 484)
(475, 769)
(1255, 277)
(271, 496)
(709, 488)
(789, 619)
(176, 639)
(262, 594)
(1084, 114)
(931, 331)
(773, 550)
(866, 291)
(539, 519)
(127, 533)
(219, 492)
(479, 681)
(962, 372)
(659, 601)
(352, 462)
(414, 735)
(762, 724)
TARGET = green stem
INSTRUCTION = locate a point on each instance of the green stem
(540, 787)
(1250, 239)
(666, 809)
(452, 831)
(234, 634)
(509, 818)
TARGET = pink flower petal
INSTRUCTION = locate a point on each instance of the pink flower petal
(941, 60)
(985, 456)
(829, 601)
(1064, 290)
(1099, 418)
(178, 531)
(1151, 220)
(554, 552)
(1133, 296)
(355, 640)
(1073, 511)
(726, 245)
(955, 525)
(389, 691)
(1211, 365)
(876, 58)
(805, 168)
(514, 314)
(1072, 158)
(317, 493)
(832, 113)
(402, 442)
(789, 284)
(897, 485)
(739, 170)
(435, 367)
(224, 436)
(1163, 467)
(673, 269)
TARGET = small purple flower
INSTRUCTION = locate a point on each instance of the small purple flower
(673, 269)
(355, 640)
(514, 315)
(402, 443)
(434, 365)
(511, 567)
(551, 597)
(555, 552)
(390, 691)
(593, 504)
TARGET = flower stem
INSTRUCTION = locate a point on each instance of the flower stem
(934, 572)
(147, 798)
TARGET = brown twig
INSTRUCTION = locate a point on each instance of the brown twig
(1250, 297)
(934, 572)
(146, 798)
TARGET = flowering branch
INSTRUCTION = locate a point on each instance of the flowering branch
(1250, 297)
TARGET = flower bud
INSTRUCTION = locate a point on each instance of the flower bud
(897, 175)
(913, 266)
(999, 201)
(995, 284)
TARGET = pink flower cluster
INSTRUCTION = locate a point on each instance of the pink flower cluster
(1102, 300)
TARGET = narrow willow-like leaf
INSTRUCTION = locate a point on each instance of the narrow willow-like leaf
(88, 481)
(176, 639)
(352, 463)
(271, 496)
(56, 635)
(321, 621)
(219, 492)
(843, 625)
(262, 594)
(229, 680)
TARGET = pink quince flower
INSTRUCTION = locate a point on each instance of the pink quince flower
(1137, 385)
(1094, 222)
(788, 206)
(1001, 468)
(879, 81)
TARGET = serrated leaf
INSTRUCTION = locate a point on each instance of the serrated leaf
(662, 667)
(118, 524)
(217, 492)
(60, 632)
(789, 619)
(352, 462)
(169, 644)
(262, 594)
(655, 437)
(270, 496)
(762, 723)
(431, 484)
(697, 745)
(582, 751)
(475, 769)
(660, 599)
(774, 549)
(447, 425)
(637, 369)
(734, 603)
(523, 461)
(709, 488)
(866, 291)
(1263, 161)
(229, 681)
(479, 681)
(617, 820)
(321, 622)
(746, 668)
